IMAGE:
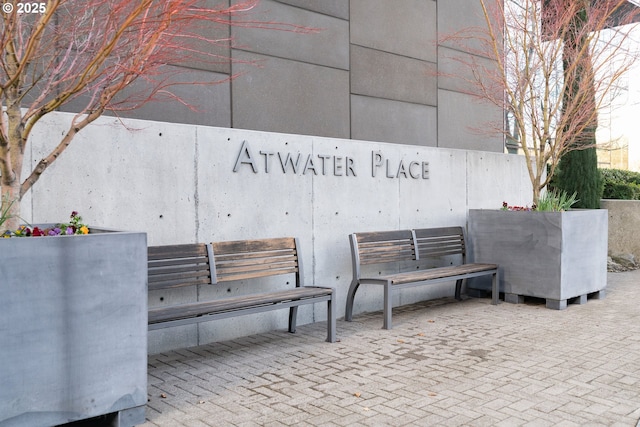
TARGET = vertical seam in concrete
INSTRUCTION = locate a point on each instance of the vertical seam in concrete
(313, 233)
(466, 188)
(350, 75)
(196, 194)
(437, 81)
(196, 215)
(231, 124)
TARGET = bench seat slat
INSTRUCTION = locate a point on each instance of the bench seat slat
(163, 314)
(435, 273)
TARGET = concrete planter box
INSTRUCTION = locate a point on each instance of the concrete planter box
(73, 329)
(557, 256)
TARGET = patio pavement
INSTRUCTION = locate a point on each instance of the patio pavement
(445, 363)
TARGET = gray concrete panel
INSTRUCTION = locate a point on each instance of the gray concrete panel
(384, 120)
(204, 98)
(437, 201)
(463, 122)
(208, 55)
(384, 75)
(328, 46)
(457, 15)
(346, 205)
(494, 178)
(455, 72)
(405, 28)
(149, 168)
(289, 96)
(337, 8)
(161, 340)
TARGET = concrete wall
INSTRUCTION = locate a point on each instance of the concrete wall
(177, 183)
(624, 226)
(375, 71)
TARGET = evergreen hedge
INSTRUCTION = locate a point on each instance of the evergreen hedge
(621, 184)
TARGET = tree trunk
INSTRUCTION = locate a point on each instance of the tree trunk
(10, 210)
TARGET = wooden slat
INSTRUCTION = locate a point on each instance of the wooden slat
(436, 232)
(174, 266)
(177, 251)
(263, 258)
(230, 269)
(385, 246)
(437, 273)
(439, 242)
(182, 311)
(260, 245)
(251, 259)
(381, 236)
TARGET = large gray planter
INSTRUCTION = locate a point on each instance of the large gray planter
(73, 329)
(557, 256)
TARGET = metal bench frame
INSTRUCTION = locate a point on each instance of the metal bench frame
(176, 266)
(412, 245)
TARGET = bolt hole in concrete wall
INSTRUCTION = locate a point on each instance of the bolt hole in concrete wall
(208, 184)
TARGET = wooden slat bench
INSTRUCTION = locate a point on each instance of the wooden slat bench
(176, 266)
(404, 246)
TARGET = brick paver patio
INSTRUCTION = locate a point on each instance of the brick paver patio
(445, 363)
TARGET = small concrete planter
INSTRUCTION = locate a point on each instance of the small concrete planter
(558, 256)
(73, 329)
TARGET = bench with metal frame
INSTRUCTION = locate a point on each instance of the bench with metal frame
(197, 264)
(403, 246)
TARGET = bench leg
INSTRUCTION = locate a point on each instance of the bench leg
(387, 307)
(458, 289)
(495, 289)
(293, 316)
(348, 313)
(331, 318)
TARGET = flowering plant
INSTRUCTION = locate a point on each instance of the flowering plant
(74, 226)
(506, 207)
(551, 201)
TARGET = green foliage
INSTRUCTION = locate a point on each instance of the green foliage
(556, 201)
(621, 184)
(578, 173)
(5, 207)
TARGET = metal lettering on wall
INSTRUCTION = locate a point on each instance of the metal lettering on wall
(327, 164)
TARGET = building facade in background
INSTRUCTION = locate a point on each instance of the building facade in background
(374, 71)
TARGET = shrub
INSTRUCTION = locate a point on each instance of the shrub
(621, 184)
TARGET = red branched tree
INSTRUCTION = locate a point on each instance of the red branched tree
(550, 91)
(90, 52)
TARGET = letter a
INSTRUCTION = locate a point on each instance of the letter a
(245, 157)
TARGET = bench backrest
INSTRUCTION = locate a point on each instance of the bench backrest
(381, 247)
(249, 259)
(439, 242)
(175, 266)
